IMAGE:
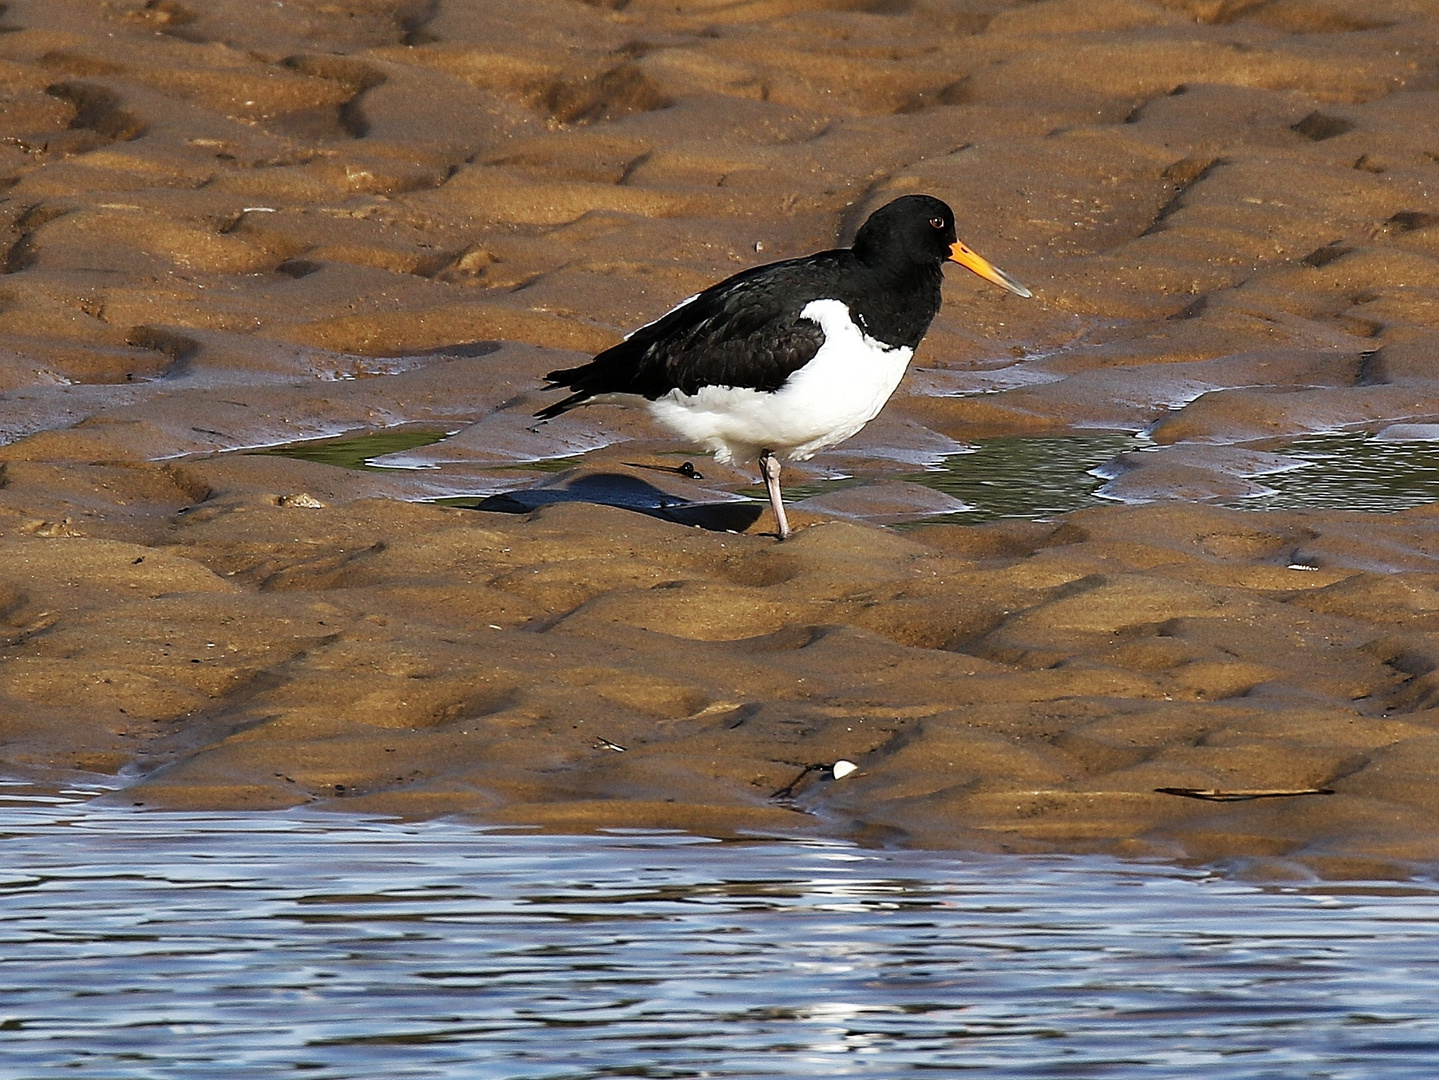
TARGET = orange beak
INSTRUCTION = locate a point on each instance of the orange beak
(970, 261)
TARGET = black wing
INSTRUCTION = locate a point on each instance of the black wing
(746, 331)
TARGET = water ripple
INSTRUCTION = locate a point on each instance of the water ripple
(158, 945)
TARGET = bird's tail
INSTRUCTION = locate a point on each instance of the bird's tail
(569, 379)
(549, 412)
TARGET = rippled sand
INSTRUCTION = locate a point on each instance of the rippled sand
(232, 225)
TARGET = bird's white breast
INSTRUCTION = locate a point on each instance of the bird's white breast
(823, 403)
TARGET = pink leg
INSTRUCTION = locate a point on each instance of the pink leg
(769, 464)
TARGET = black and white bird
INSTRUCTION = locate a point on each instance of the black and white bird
(788, 359)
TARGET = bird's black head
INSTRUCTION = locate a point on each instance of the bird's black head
(912, 230)
(917, 232)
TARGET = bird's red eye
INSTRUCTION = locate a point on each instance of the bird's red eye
(937, 222)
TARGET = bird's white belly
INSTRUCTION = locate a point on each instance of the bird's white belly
(823, 403)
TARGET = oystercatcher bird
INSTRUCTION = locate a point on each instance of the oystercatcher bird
(793, 357)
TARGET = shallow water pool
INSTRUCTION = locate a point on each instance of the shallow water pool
(1029, 477)
(1355, 471)
(147, 944)
(1040, 476)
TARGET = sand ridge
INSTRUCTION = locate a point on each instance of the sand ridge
(230, 226)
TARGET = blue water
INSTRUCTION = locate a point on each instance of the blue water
(298, 944)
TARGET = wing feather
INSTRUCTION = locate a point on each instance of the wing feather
(744, 332)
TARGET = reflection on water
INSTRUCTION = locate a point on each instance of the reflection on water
(1010, 477)
(357, 451)
(143, 944)
(1027, 477)
(1354, 471)
(1023, 477)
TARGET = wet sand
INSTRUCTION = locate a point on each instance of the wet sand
(231, 227)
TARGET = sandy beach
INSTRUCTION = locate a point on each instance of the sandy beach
(231, 227)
